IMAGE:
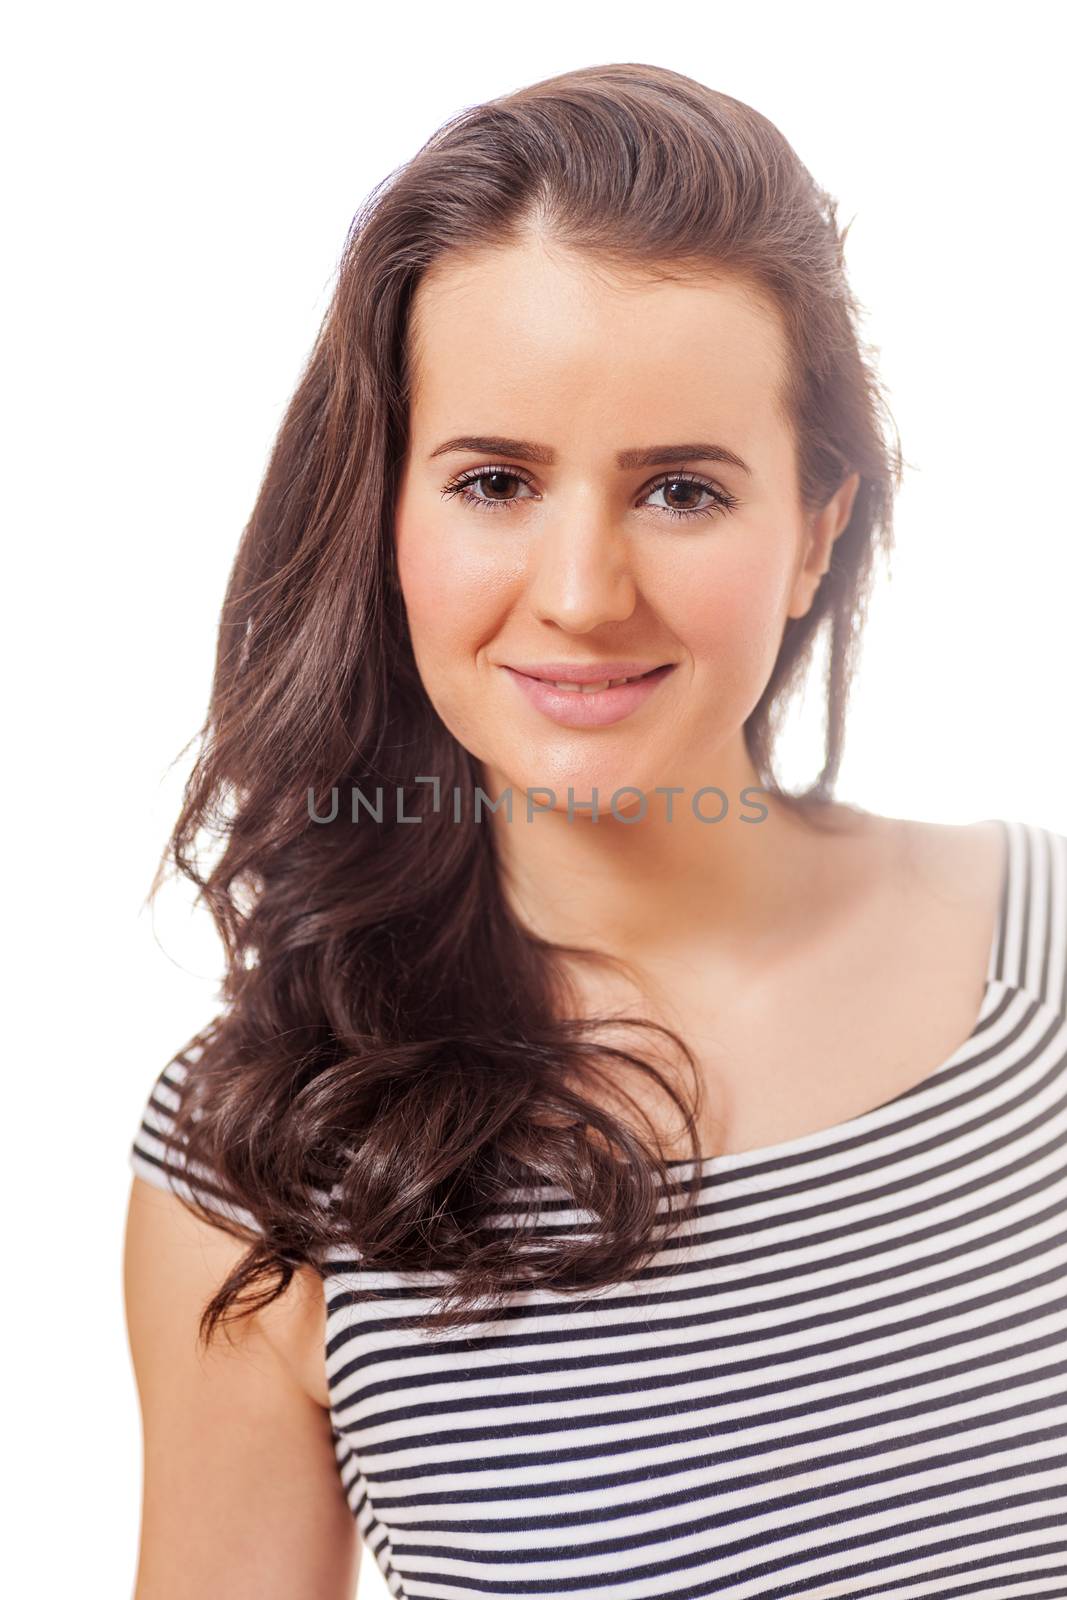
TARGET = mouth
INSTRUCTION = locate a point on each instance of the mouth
(581, 701)
(590, 685)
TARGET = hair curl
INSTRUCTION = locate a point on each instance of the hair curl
(390, 1035)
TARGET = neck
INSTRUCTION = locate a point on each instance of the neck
(649, 882)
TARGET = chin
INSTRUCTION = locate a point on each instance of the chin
(552, 773)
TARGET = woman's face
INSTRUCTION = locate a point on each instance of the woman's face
(594, 527)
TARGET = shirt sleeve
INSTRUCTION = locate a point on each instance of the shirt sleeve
(157, 1157)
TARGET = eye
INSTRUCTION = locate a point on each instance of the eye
(501, 482)
(690, 487)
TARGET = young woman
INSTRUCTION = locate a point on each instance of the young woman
(630, 1178)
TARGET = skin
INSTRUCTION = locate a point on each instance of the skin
(585, 561)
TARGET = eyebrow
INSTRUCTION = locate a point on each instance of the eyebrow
(657, 455)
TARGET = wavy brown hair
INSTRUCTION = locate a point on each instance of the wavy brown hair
(393, 1059)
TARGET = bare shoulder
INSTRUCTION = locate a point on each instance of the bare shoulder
(909, 874)
(958, 862)
(945, 850)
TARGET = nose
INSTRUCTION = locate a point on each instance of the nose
(580, 572)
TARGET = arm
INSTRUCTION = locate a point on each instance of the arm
(241, 1491)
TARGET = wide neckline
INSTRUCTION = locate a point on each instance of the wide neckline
(732, 1160)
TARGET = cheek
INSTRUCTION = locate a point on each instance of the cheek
(730, 616)
(448, 589)
(457, 595)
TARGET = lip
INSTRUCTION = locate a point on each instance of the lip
(582, 671)
(571, 708)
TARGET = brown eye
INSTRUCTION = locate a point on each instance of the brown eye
(497, 484)
(689, 488)
(502, 486)
(690, 493)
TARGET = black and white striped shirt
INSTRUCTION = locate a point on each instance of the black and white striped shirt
(849, 1380)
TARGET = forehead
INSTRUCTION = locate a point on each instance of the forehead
(534, 330)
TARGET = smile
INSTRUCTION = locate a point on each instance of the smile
(590, 704)
(594, 688)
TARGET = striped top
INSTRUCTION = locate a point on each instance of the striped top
(849, 1379)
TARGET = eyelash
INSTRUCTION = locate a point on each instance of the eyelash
(724, 502)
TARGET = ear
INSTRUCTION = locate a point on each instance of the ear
(823, 529)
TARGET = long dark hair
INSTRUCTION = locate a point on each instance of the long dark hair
(393, 1062)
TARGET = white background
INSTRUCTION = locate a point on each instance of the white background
(179, 183)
